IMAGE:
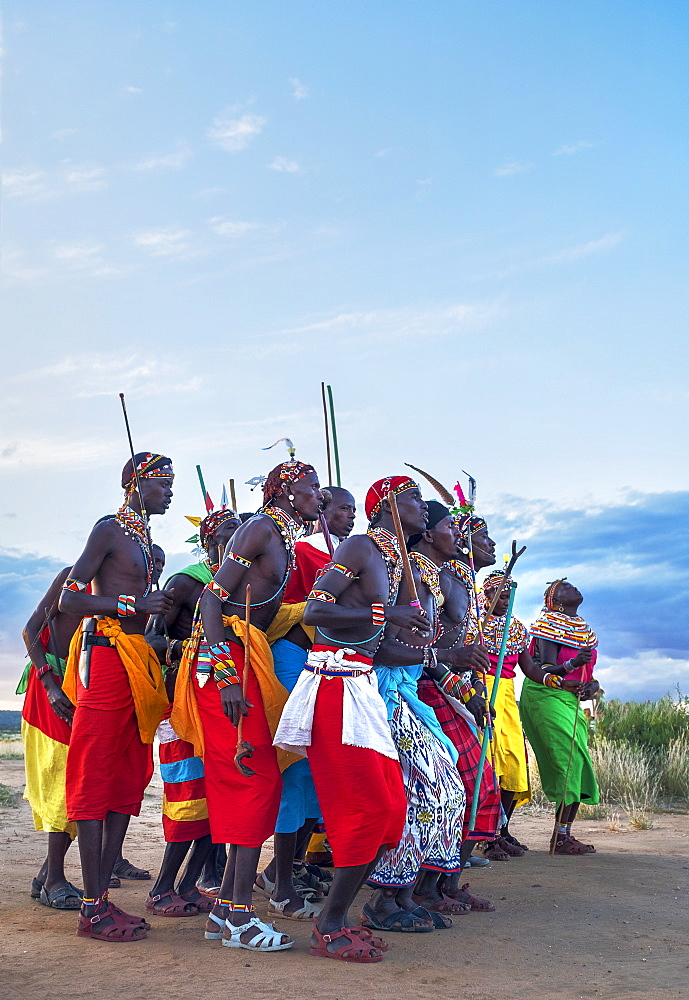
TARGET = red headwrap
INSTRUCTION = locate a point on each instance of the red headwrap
(380, 490)
(211, 523)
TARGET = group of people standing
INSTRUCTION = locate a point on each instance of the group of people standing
(294, 676)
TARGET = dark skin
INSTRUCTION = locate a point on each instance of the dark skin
(339, 515)
(402, 647)
(260, 542)
(52, 872)
(568, 598)
(114, 564)
(349, 621)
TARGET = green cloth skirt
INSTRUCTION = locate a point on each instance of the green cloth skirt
(548, 719)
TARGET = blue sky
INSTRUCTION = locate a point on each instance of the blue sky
(469, 218)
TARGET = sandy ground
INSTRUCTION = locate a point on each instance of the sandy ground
(611, 925)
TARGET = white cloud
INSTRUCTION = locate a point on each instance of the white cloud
(284, 166)
(169, 161)
(299, 90)
(575, 147)
(93, 376)
(234, 134)
(512, 168)
(209, 192)
(85, 258)
(166, 242)
(24, 184)
(63, 133)
(231, 228)
(86, 179)
(133, 90)
(600, 245)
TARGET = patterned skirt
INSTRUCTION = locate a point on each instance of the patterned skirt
(435, 805)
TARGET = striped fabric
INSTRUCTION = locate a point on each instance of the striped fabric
(185, 813)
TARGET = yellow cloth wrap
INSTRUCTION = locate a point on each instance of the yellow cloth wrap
(185, 812)
(143, 671)
(287, 617)
(185, 717)
(510, 749)
(317, 843)
(45, 762)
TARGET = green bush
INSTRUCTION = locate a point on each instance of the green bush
(648, 724)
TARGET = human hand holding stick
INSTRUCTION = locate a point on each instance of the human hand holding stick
(244, 748)
(406, 565)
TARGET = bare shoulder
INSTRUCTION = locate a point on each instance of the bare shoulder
(253, 535)
(355, 552)
(182, 584)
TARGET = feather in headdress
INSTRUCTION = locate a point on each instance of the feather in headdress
(444, 494)
(472, 488)
(290, 447)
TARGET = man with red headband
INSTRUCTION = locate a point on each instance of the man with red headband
(336, 716)
(114, 678)
(243, 809)
(185, 812)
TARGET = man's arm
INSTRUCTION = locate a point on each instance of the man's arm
(59, 701)
(77, 602)
(354, 554)
(181, 588)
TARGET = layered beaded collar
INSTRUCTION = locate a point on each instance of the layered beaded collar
(462, 572)
(389, 548)
(288, 528)
(430, 574)
(133, 525)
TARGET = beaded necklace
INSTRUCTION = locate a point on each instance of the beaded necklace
(133, 525)
(462, 572)
(493, 630)
(430, 574)
(288, 528)
(389, 548)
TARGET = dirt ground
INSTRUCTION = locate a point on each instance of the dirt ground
(611, 925)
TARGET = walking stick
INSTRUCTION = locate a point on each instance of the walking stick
(561, 811)
(327, 432)
(244, 748)
(406, 565)
(144, 514)
(334, 430)
(493, 697)
(326, 534)
(479, 625)
(503, 582)
(233, 496)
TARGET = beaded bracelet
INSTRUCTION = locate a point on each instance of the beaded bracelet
(450, 683)
(246, 563)
(321, 595)
(126, 605)
(42, 671)
(378, 614)
(552, 681)
(218, 591)
(75, 585)
(224, 670)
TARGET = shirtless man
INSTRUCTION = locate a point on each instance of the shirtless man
(243, 810)
(343, 724)
(118, 690)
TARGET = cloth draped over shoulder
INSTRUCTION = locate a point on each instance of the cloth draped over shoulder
(403, 681)
(143, 671)
(197, 571)
(185, 716)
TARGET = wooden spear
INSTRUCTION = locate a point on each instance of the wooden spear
(244, 748)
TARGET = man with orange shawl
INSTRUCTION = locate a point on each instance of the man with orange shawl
(114, 678)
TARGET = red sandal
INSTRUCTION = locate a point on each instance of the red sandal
(356, 948)
(118, 931)
(176, 906)
(203, 903)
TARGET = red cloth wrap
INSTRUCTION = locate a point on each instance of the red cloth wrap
(302, 578)
(360, 791)
(242, 810)
(37, 710)
(180, 831)
(108, 767)
(468, 746)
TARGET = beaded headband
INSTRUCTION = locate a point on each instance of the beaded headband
(145, 471)
(493, 580)
(379, 491)
(211, 522)
(549, 596)
(288, 472)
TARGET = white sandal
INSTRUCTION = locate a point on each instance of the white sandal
(268, 938)
(214, 935)
(307, 912)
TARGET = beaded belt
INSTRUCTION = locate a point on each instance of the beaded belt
(330, 672)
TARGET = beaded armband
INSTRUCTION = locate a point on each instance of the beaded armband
(321, 595)
(126, 605)
(378, 614)
(552, 681)
(341, 569)
(224, 670)
(451, 684)
(246, 563)
(218, 591)
(42, 671)
(74, 585)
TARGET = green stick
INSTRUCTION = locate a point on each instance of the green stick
(334, 430)
(203, 487)
(486, 731)
(327, 433)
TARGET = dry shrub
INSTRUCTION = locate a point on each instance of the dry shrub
(674, 769)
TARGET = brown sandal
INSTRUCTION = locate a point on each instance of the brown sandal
(572, 847)
(176, 906)
(118, 930)
(495, 851)
(353, 949)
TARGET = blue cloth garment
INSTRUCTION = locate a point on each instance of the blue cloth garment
(402, 681)
(299, 801)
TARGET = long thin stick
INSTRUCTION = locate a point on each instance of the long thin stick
(326, 534)
(503, 582)
(207, 502)
(402, 542)
(244, 748)
(144, 515)
(233, 496)
(486, 736)
(327, 434)
(333, 426)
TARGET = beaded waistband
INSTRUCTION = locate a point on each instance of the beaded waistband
(330, 672)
